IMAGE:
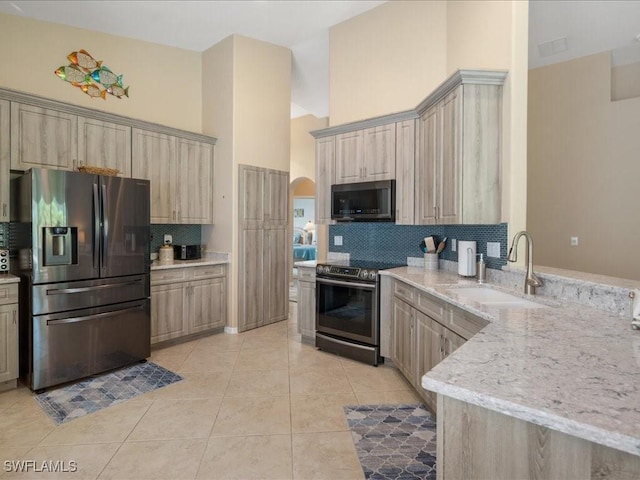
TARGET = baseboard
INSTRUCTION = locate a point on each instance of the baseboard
(231, 330)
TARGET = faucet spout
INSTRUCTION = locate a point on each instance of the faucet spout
(531, 280)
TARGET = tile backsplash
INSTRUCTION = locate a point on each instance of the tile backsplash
(182, 235)
(394, 243)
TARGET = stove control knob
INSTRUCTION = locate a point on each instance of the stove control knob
(372, 275)
(319, 269)
(364, 274)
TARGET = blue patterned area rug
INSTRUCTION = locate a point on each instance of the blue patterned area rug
(101, 391)
(394, 441)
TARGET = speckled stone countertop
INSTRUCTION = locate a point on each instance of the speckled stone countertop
(210, 258)
(568, 367)
(8, 278)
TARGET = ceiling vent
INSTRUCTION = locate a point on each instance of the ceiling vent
(552, 47)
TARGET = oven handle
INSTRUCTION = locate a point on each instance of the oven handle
(339, 283)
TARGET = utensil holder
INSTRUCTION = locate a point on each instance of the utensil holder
(431, 261)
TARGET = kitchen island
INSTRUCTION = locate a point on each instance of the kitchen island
(551, 392)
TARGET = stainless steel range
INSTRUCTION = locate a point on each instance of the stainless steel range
(347, 309)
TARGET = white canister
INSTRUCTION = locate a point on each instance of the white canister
(467, 258)
(165, 254)
(431, 261)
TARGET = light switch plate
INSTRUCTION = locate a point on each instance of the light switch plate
(454, 245)
(493, 249)
(337, 240)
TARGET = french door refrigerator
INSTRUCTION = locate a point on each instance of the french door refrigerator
(85, 290)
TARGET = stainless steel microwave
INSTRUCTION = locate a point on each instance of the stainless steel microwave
(364, 202)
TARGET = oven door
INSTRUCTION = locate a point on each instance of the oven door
(347, 310)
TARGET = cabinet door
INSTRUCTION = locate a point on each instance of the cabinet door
(379, 158)
(429, 351)
(405, 177)
(42, 138)
(194, 190)
(206, 304)
(104, 144)
(8, 342)
(5, 159)
(154, 159)
(307, 309)
(402, 343)
(325, 165)
(168, 312)
(250, 278)
(452, 341)
(276, 278)
(449, 171)
(349, 154)
(277, 198)
(428, 155)
(252, 193)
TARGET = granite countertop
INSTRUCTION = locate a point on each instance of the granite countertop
(8, 278)
(306, 263)
(567, 367)
(210, 258)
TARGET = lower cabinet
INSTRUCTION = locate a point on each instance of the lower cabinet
(8, 336)
(307, 302)
(424, 331)
(187, 300)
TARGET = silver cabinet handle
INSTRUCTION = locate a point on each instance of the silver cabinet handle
(14, 317)
(4, 209)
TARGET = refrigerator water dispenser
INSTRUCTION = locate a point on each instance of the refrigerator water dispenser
(60, 245)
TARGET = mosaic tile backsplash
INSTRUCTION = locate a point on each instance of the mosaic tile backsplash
(182, 235)
(394, 243)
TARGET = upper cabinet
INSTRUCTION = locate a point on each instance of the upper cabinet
(325, 177)
(41, 137)
(104, 144)
(405, 171)
(5, 158)
(366, 155)
(195, 182)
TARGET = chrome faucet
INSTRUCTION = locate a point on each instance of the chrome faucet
(531, 281)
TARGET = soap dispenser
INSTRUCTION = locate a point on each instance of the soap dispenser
(482, 269)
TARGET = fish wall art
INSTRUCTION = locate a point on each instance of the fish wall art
(90, 76)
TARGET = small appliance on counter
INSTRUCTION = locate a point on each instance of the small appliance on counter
(467, 259)
(165, 254)
(187, 252)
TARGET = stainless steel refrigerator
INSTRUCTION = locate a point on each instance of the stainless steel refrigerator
(84, 250)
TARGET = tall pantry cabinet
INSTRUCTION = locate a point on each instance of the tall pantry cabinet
(263, 245)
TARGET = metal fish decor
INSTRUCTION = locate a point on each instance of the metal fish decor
(90, 76)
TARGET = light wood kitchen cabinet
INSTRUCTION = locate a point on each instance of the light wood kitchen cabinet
(366, 155)
(181, 175)
(186, 301)
(405, 172)
(8, 336)
(42, 137)
(263, 238)
(458, 157)
(307, 303)
(104, 144)
(403, 338)
(5, 159)
(154, 159)
(194, 189)
(325, 177)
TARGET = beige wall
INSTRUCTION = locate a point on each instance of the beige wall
(164, 82)
(625, 81)
(583, 169)
(246, 97)
(303, 146)
(386, 60)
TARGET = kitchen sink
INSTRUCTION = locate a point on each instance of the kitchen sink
(493, 298)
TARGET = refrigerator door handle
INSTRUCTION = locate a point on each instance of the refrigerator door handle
(96, 225)
(91, 317)
(105, 226)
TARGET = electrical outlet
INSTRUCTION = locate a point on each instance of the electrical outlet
(454, 245)
(337, 240)
(574, 241)
(493, 249)
(168, 239)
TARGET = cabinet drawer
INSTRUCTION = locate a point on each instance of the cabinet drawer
(306, 274)
(430, 305)
(8, 293)
(464, 323)
(404, 291)
(207, 272)
(168, 276)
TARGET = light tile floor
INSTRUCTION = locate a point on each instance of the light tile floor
(259, 404)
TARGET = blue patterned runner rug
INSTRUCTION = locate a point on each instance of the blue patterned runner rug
(394, 441)
(100, 391)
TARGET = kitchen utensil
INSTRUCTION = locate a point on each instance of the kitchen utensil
(431, 244)
(423, 246)
(442, 245)
(431, 261)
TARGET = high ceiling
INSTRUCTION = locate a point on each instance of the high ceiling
(303, 26)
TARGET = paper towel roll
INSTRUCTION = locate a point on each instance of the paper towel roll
(467, 258)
